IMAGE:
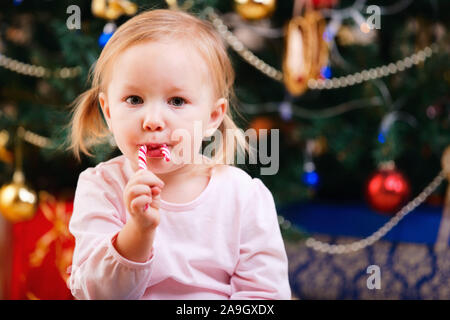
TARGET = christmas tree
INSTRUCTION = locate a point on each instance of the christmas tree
(353, 87)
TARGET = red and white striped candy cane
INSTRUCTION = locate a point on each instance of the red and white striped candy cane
(142, 157)
(166, 152)
(142, 161)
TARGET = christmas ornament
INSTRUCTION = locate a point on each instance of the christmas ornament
(108, 31)
(382, 137)
(262, 122)
(18, 36)
(306, 51)
(186, 6)
(173, 4)
(387, 189)
(21, 29)
(17, 200)
(318, 4)
(309, 176)
(112, 9)
(255, 9)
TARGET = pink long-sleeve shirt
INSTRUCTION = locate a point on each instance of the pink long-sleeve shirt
(224, 244)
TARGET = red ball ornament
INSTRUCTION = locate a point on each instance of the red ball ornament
(262, 122)
(387, 190)
(318, 4)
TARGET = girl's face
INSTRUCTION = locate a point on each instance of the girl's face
(155, 89)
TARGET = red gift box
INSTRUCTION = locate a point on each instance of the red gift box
(42, 252)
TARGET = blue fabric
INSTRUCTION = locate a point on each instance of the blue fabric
(407, 271)
(358, 220)
(410, 266)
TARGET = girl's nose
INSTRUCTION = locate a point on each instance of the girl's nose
(153, 120)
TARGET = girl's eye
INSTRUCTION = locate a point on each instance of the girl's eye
(177, 101)
(134, 100)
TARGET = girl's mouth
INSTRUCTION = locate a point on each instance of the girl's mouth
(154, 150)
(154, 153)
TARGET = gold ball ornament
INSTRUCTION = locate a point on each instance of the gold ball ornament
(128, 7)
(255, 9)
(17, 201)
(98, 8)
(113, 9)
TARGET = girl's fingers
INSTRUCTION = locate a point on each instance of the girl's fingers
(138, 204)
(156, 202)
(156, 191)
(138, 190)
(134, 191)
(148, 178)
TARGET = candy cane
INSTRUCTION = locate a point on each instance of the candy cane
(142, 161)
(142, 157)
(166, 152)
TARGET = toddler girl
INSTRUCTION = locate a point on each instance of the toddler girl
(184, 228)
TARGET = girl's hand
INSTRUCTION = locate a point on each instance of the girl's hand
(143, 188)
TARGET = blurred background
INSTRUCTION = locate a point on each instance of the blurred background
(356, 91)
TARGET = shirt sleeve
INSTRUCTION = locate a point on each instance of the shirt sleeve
(98, 271)
(262, 269)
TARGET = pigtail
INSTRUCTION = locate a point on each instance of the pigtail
(234, 141)
(87, 125)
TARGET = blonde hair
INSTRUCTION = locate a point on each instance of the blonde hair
(87, 125)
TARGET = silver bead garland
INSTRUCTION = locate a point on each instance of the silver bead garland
(37, 71)
(361, 244)
(319, 84)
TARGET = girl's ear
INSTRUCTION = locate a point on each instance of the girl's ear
(105, 108)
(216, 117)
